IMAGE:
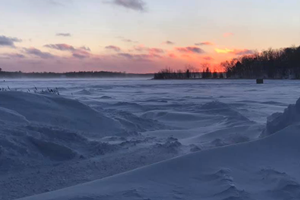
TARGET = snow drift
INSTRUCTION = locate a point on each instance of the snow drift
(266, 169)
(37, 130)
(279, 121)
(57, 112)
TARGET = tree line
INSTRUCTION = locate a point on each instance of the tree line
(188, 73)
(271, 64)
(80, 74)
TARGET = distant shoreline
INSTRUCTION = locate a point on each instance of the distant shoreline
(83, 74)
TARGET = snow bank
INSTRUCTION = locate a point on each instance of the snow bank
(56, 111)
(38, 130)
(279, 121)
(265, 169)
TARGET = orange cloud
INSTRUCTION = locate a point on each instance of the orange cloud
(224, 50)
(239, 52)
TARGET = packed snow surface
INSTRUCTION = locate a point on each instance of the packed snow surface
(267, 169)
(145, 139)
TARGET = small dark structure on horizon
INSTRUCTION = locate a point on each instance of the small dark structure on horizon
(260, 81)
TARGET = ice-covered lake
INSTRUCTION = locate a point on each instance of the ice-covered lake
(96, 128)
(254, 101)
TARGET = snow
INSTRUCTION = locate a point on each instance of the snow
(265, 169)
(101, 138)
(58, 112)
(279, 121)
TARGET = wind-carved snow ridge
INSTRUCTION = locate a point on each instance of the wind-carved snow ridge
(281, 185)
(232, 117)
(227, 188)
(279, 121)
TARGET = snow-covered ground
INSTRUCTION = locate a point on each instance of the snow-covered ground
(227, 141)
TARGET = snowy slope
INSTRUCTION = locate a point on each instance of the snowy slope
(40, 130)
(55, 111)
(265, 169)
(46, 139)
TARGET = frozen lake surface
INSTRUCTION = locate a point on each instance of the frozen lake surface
(254, 101)
(98, 128)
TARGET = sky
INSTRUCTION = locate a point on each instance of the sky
(140, 36)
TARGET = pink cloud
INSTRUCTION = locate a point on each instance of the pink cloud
(185, 56)
(195, 50)
(38, 53)
(241, 52)
(142, 48)
(208, 58)
(228, 34)
(127, 40)
(204, 44)
(139, 57)
(81, 54)
(114, 48)
(168, 42)
(171, 55)
(61, 47)
(12, 56)
(155, 50)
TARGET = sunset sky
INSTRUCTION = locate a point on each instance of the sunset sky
(140, 36)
